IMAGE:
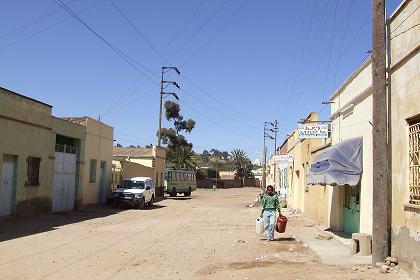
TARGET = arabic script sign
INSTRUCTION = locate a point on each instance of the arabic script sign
(307, 131)
(284, 158)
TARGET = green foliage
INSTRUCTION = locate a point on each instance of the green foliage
(207, 173)
(242, 164)
(178, 149)
(182, 157)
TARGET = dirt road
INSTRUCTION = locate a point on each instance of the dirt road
(208, 236)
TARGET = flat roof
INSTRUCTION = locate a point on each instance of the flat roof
(25, 97)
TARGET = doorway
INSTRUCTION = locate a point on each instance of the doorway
(351, 209)
(7, 187)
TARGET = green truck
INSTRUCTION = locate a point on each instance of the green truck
(179, 181)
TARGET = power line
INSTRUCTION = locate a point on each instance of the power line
(120, 53)
(216, 32)
(15, 31)
(200, 28)
(160, 55)
(30, 36)
(137, 31)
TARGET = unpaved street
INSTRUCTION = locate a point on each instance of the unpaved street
(208, 236)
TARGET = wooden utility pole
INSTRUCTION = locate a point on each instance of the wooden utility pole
(381, 227)
(264, 163)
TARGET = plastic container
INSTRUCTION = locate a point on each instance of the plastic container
(281, 223)
(259, 226)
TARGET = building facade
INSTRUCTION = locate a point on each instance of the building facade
(96, 160)
(351, 115)
(42, 158)
(404, 120)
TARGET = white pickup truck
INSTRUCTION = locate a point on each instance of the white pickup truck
(137, 192)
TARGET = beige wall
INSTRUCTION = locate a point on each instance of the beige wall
(156, 161)
(405, 103)
(99, 146)
(26, 131)
(160, 157)
(78, 132)
(351, 114)
(299, 194)
(125, 169)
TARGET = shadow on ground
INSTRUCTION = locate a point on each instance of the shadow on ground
(178, 197)
(17, 227)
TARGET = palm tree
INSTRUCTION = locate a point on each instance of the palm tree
(183, 157)
(242, 164)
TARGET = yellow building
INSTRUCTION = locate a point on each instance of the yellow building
(294, 158)
(404, 92)
(42, 158)
(96, 171)
(351, 115)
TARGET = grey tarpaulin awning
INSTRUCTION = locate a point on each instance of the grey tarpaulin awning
(340, 164)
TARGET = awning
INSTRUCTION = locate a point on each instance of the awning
(340, 164)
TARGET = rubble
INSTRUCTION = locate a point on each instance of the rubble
(324, 236)
(389, 265)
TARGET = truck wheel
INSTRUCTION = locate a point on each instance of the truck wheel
(141, 203)
(173, 193)
(188, 193)
(152, 200)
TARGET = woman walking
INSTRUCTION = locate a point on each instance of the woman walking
(270, 204)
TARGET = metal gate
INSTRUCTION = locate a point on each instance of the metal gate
(64, 183)
(7, 185)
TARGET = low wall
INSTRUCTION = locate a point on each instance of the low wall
(226, 184)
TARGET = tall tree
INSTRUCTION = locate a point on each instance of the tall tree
(242, 165)
(178, 149)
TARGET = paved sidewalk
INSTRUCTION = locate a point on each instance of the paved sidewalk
(330, 252)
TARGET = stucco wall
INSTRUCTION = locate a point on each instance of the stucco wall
(25, 126)
(77, 132)
(99, 146)
(405, 103)
(351, 112)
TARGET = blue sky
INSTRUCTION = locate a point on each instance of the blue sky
(244, 62)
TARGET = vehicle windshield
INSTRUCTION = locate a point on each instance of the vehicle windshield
(128, 184)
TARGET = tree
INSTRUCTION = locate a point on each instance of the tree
(119, 145)
(183, 157)
(242, 165)
(178, 149)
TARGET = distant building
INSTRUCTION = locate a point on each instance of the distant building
(227, 175)
(153, 158)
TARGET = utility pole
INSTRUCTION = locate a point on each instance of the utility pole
(163, 85)
(275, 128)
(381, 226)
(266, 135)
(264, 163)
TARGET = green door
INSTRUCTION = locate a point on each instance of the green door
(351, 211)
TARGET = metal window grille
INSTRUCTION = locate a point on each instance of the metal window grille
(414, 166)
(33, 171)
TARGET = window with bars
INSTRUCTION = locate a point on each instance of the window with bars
(414, 162)
(33, 171)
